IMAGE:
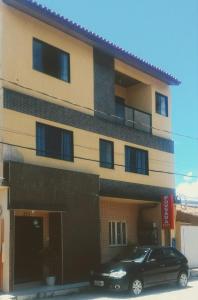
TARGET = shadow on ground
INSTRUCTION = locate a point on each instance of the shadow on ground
(94, 294)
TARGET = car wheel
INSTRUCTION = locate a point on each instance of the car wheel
(136, 287)
(182, 280)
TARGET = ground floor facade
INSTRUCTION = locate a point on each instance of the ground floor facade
(65, 223)
(125, 223)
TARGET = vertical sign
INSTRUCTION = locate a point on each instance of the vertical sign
(167, 207)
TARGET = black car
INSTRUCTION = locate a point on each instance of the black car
(141, 268)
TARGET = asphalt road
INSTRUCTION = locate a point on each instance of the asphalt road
(158, 293)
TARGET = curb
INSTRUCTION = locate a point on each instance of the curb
(45, 292)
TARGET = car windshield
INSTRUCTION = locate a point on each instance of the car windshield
(136, 255)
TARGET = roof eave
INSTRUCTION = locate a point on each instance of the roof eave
(51, 18)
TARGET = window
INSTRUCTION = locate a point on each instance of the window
(106, 154)
(161, 104)
(120, 108)
(51, 61)
(156, 254)
(136, 160)
(170, 253)
(117, 233)
(54, 142)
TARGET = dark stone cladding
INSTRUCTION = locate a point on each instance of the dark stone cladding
(43, 188)
(121, 189)
(104, 82)
(73, 194)
(46, 110)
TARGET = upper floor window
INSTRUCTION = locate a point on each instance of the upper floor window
(106, 154)
(54, 142)
(51, 60)
(161, 104)
(120, 107)
(136, 160)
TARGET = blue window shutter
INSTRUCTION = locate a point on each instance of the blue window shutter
(106, 154)
(40, 140)
(64, 67)
(141, 162)
(166, 101)
(161, 104)
(37, 55)
(67, 146)
(102, 154)
(138, 162)
(128, 159)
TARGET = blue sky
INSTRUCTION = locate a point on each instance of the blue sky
(166, 34)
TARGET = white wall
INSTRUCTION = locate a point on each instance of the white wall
(189, 244)
(6, 245)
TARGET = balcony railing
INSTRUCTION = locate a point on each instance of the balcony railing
(136, 119)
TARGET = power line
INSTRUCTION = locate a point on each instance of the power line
(77, 145)
(98, 161)
(190, 197)
(94, 110)
(84, 107)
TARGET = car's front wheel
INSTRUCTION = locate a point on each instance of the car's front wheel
(182, 280)
(136, 287)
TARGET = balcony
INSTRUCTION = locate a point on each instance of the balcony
(132, 117)
(133, 104)
(138, 119)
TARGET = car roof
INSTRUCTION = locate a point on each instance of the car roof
(152, 247)
(44, 14)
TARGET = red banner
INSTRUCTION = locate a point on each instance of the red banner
(167, 207)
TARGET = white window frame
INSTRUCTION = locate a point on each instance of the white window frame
(110, 223)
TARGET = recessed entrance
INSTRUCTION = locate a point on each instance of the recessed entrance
(28, 245)
(38, 246)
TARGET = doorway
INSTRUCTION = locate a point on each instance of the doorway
(167, 236)
(28, 246)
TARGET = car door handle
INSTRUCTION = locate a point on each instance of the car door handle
(162, 265)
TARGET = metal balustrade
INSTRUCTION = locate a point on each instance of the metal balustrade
(138, 119)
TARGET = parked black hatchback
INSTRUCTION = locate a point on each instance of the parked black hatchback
(141, 268)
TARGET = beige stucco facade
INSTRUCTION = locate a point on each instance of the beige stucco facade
(86, 145)
(142, 97)
(112, 210)
(18, 32)
(19, 29)
(132, 212)
(5, 246)
(18, 130)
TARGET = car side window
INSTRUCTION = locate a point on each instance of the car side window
(169, 253)
(156, 254)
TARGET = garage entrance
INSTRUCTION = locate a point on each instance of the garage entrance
(189, 244)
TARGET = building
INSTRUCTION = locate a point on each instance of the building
(86, 148)
(186, 230)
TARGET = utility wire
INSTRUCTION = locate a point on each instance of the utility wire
(98, 161)
(190, 197)
(94, 110)
(76, 145)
